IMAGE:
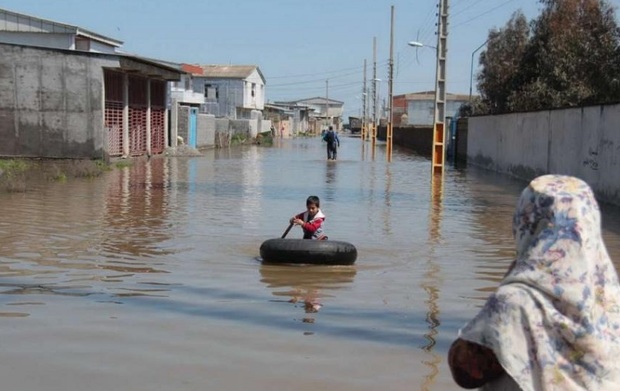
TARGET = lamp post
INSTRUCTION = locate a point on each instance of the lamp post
(471, 71)
(417, 44)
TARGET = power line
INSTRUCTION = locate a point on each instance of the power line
(482, 14)
(319, 73)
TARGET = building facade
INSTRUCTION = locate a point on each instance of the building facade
(418, 108)
(321, 112)
(76, 101)
(231, 91)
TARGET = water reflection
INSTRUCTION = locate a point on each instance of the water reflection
(431, 280)
(330, 179)
(135, 211)
(306, 286)
(387, 196)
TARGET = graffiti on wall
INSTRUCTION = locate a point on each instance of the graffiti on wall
(592, 160)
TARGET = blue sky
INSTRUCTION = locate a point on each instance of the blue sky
(297, 44)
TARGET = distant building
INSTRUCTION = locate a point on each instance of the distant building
(418, 108)
(297, 116)
(322, 112)
(232, 91)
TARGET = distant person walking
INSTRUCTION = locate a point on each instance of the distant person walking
(333, 142)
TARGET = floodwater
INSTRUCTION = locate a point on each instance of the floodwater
(148, 277)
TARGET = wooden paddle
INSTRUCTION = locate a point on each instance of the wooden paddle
(288, 229)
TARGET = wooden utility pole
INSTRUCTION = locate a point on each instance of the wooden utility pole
(439, 123)
(364, 97)
(327, 102)
(390, 91)
(373, 136)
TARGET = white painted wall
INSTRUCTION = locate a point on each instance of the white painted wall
(258, 100)
(583, 142)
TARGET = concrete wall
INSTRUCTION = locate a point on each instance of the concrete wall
(583, 142)
(51, 103)
(183, 123)
(255, 122)
(226, 129)
(206, 131)
(417, 138)
(216, 132)
(265, 125)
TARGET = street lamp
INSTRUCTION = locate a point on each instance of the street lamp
(471, 71)
(417, 44)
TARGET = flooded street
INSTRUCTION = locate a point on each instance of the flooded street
(148, 277)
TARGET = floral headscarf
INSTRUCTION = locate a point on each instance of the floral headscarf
(554, 322)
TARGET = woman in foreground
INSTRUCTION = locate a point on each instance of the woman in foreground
(554, 321)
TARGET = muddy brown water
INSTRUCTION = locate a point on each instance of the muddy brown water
(147, 278)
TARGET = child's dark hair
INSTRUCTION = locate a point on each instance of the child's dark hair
(313, 200)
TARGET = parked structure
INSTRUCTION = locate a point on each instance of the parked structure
(66, 93)
(417, 108)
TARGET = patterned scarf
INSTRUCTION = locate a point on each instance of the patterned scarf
(554, 321)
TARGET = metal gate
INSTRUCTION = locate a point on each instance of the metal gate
(158, 111)
(138, 104)
(137, 115)
(113, 117)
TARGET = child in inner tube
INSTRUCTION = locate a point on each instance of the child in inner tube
(311, 221)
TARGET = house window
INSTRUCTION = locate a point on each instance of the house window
(211, 92)
(253, 90)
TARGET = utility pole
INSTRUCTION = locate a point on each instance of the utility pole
(364, 119)
(439, 122)
(327, 102)
(373, 136)
(390, 91)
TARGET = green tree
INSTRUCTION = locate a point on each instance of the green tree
(573, 57)
(500, 63)
(569, 56)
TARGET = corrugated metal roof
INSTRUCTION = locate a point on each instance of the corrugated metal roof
(228, 71)
(317, 100)
(13, 21)
(193, 69)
